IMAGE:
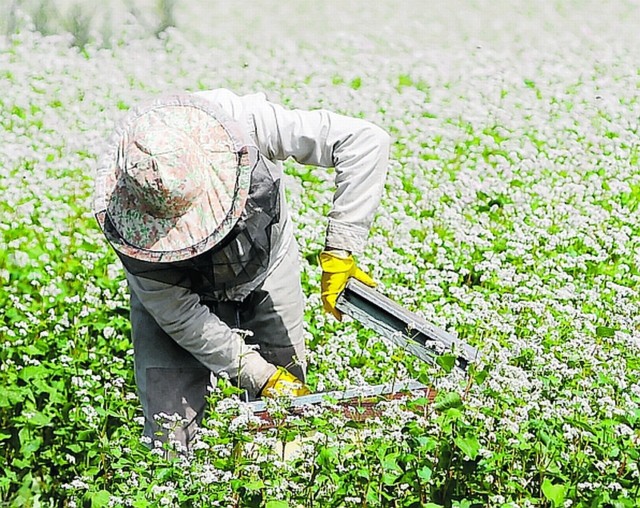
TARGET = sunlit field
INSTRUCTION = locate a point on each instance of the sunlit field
(510, 219)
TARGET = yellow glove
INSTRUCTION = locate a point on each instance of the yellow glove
(336, 270)
(284, 383)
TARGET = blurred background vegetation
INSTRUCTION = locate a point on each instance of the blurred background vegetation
(87, 22)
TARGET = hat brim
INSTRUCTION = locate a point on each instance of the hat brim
(136, 234)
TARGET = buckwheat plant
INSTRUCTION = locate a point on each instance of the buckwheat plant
(509, 218)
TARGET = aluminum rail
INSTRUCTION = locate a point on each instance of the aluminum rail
(401, 326)
(351, 395)
(404, 328)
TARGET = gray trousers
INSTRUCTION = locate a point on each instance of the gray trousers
(171, 381)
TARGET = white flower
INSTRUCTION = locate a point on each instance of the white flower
(77, 483)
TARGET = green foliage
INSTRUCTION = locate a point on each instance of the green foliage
(80, 20)
(78, 23)
(518, 234)
(167, 16)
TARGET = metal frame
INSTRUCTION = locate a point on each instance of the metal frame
(401, 326)
(350, 394)
(404, 328)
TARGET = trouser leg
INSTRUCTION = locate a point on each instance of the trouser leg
(170, 380)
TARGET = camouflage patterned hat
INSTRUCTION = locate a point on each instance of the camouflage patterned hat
(175, 180)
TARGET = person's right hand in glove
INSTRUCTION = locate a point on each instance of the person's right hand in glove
(284, 383)
(337, 267)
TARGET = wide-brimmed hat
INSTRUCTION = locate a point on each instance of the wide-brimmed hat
(174, 181)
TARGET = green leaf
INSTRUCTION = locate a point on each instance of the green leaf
(447, 362)
(21, 463)
(446, 401)
(277, 504)
(481, 375)
(33, 350)
(427, 443)
(327, 456)
(404, 80)
(254, 485)
(623, 503)
(164, 474)
(28, 444)
(469, 446)
(30, 371)
(424, 473)
(553, 492)
(100, 499)
(389, 478)
(605, 331)
(389, 462)
(39, 420)
(453, 414)
(372, 495)
(363, 473)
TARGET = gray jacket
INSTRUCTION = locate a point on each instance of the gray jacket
(359, 152)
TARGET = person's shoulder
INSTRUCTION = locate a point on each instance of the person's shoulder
(224, 95)
(234, 104)
(219, 96)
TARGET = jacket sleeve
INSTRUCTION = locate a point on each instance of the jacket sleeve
(193, 326)
(358, 150)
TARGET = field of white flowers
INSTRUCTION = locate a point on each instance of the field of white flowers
(510, 218)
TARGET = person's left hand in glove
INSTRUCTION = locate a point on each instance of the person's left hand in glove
(284, 383)
(337, 267)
